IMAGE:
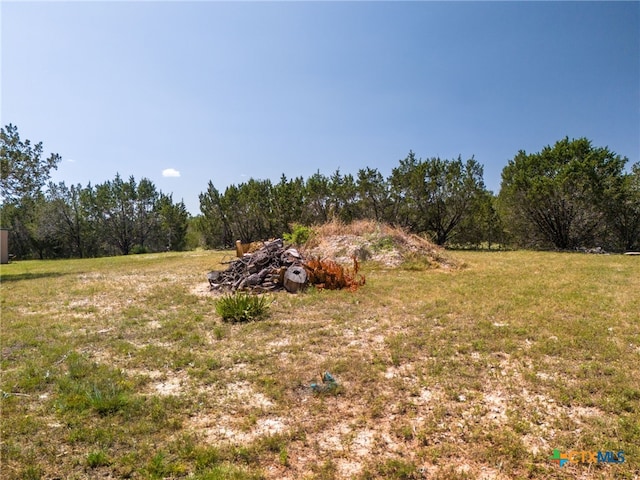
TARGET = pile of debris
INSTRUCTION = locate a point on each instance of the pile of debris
(269, 268)
(275, 267)
(380, 243)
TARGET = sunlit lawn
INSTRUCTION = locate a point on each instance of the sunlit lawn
(120, 368)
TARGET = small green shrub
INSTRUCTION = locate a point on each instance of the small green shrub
(157, 466)
(218, 332)
(383, 244)
(299, 234)
(107, 396)
(138, 249)
(415, 262)
(89, 386)
(32, 472)
(97, 459)
(242, 307)
(399, 469)
(283, 457)
(78, 366)
(227, 471)
(33, 378)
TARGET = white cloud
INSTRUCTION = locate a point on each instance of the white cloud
(170, 172)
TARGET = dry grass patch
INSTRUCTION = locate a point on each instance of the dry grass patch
(378, 242)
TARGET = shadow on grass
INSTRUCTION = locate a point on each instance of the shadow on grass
(15, 277)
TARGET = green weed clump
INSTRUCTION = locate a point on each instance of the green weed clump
(97, 459)
(242, 307)
(299, 234)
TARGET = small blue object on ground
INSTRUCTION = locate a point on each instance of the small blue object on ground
(329, 384)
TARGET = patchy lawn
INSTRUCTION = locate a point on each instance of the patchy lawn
(120, 368)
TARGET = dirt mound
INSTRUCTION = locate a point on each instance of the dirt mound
(378, 242)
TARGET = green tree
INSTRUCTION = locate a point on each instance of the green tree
(72, 218)
(115, 211)
(493, 227)
(436, 195)
(622, 207)
(37, 226)
(483, 228)
(558, 195)
(343, 197)
(288, 203)
(23, 170)
(236, 212)
(214, 223)
(403, 205)
(23, 174)
(256, 199)
(373, 194)
(317, 200)
(147, 221)
(173, 223)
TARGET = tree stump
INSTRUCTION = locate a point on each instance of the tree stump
(295, 278)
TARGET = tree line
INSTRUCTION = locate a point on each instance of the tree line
(53, 220)
(446, 199)
(116, 217)
(568, 196)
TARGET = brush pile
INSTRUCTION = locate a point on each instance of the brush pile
(328, 274)
(379, 243)
(275, 267)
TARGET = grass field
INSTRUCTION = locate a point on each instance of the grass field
(120, 368)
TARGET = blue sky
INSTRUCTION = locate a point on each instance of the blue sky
(227, 91)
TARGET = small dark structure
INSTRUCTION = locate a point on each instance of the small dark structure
(4, 245)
